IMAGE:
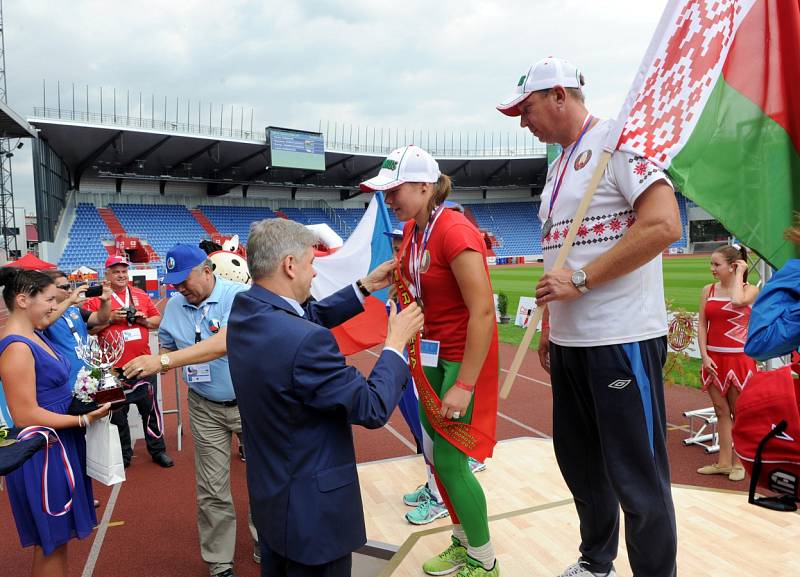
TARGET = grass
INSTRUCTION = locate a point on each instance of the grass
(684, 278)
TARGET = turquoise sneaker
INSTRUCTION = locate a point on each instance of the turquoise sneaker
(448, 561)
(475, 568)
(420, 494)
(427, 512)
(476, 466)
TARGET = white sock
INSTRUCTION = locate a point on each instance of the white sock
(458, 533)
(484, 554)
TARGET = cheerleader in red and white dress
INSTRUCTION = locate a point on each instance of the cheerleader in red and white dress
(722, 331)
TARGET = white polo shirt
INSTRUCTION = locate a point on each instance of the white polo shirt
(630, 308)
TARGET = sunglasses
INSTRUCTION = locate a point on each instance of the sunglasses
(63, 287)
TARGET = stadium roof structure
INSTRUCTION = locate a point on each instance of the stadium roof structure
(172, 152)
(12, 125)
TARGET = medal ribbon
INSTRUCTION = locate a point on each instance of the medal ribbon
(30, 432)
(418, 253)
(156, 411)
(560, 179)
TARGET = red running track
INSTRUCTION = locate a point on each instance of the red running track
(153, 531)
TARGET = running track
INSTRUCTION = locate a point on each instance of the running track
(148, 523)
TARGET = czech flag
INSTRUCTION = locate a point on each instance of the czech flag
(368, 246)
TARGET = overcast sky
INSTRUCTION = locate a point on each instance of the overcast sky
(416, 64)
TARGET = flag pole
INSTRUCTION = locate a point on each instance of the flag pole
(561, 258)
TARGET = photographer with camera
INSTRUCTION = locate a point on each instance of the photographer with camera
(133, 314)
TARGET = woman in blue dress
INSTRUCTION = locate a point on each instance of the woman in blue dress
(35, 381)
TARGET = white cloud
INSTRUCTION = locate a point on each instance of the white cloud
(415, 64)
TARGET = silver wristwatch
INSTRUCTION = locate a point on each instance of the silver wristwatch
(579, 281)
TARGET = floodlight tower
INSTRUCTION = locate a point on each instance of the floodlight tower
(8, 229)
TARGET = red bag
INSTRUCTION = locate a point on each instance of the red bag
(766, 436)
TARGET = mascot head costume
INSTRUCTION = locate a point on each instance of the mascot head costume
(228, 261)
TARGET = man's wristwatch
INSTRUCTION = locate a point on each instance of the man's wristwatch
(164, 363)
(362, 289)
(579, 281)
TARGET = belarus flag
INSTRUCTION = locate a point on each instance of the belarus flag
(716, 102)
(368, 246)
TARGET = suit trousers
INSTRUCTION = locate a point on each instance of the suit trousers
(213, 427)
(274, 565)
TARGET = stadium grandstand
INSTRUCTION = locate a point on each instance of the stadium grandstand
(110, 181)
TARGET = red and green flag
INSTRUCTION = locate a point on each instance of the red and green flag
(716, 102)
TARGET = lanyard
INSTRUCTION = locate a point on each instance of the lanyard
(198, 324)
(72, 327)
(418, 253)
(127, 302)
(560, 179)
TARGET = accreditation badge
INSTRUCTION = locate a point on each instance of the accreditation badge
(129, 335)
(429, 351)
(196, 374)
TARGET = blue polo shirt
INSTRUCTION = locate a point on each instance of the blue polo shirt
(177, 331)
(60, 334)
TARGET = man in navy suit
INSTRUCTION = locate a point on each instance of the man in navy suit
(298, 399)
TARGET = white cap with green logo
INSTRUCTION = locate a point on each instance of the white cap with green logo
(546, 73)
(407, 164)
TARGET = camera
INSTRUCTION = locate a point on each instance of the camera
(130, 315)
(94, 291)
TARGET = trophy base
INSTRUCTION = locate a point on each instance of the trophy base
(111, 395)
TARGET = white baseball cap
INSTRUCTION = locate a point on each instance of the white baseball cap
(407, 164)
(546, 73)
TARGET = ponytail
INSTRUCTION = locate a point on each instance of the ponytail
(20, 281)
(441, 190)
(732, 253)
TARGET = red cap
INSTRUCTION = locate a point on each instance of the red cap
(115, 260)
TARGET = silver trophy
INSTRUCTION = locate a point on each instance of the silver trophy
(103, 354)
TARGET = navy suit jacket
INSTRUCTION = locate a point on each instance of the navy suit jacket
(298, 400)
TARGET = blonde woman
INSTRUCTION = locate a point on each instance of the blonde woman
(443, 267)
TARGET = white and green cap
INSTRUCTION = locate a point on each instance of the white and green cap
(546, 73)
(407, 164)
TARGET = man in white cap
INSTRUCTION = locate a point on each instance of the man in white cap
(604, 333)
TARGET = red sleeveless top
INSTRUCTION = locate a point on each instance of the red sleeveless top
(727, 324)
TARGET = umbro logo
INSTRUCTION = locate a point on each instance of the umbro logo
(619, 384)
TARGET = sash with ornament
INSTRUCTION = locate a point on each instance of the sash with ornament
(474, 439)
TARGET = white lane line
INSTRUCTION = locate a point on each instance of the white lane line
(546, 384)
(390, 428)
(94, 553)
(524, 426)
(521, 376)
(403, 440)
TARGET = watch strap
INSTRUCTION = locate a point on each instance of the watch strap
(362, 289)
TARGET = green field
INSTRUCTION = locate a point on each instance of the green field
(684, 278)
